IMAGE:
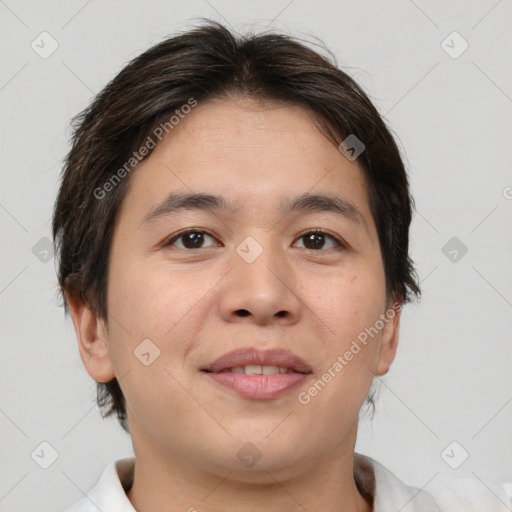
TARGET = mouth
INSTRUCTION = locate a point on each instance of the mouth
(252, 361)
(258, 374)
(254, 369)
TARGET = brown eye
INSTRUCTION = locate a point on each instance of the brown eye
(190, 239)
(316, 240)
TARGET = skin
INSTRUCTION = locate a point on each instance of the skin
(186, 430)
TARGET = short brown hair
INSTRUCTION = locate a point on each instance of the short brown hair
(205, 63)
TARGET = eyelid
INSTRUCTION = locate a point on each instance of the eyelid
(173, 238)
(340, 243)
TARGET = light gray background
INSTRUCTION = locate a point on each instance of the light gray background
(451, 380)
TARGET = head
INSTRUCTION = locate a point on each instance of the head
(257, 121)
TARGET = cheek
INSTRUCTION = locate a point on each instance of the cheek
(148, 304)
(165, 307)
(350, 307)
(152, 300)
(346, 303)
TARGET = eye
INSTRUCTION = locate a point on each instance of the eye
(195, 239)
(192, 239)
(316, 240)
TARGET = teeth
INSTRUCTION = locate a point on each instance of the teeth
(254, 369)
(269, 370)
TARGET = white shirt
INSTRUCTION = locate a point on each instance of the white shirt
(389, 493)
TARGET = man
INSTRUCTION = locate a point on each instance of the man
(232, 233)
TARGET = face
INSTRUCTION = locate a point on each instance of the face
(253, 274)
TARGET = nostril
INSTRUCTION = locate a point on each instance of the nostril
(243, 312)
(281, 313)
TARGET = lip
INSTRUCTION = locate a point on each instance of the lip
(259, 386)
(252, 356)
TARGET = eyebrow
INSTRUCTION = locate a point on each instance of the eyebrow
(320, 203)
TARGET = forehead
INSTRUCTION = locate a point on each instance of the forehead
(256, 154)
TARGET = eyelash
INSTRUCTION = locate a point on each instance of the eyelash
(170, 241)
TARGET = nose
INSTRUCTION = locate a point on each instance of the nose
(262, 291)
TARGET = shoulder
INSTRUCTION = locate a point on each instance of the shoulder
(474, 495)
(109, 493)
(458, 495)
(389, 492)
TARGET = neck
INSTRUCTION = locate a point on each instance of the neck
(176, 485)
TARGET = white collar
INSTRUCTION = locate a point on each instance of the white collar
(373, 479)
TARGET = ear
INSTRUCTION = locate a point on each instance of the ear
(92, 336)
(389, 341)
